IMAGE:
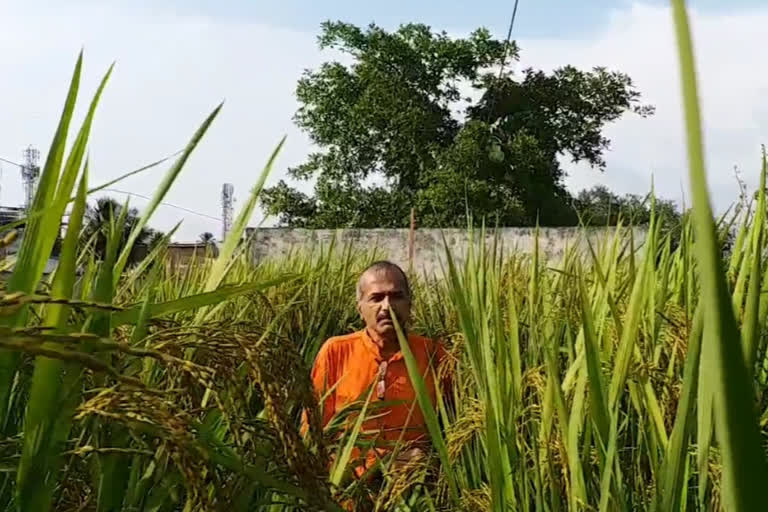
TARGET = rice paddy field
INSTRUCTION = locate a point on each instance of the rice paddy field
(624, 376)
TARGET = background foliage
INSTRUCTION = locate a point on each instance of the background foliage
(414, 118)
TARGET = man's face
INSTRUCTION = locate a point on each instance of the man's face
(383, 291)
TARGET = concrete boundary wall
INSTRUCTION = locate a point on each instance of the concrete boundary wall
(429, 252)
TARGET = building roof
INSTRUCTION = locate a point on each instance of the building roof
(50, 266)
(187, 245)
(9, 214)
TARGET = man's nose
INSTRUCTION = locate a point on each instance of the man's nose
(385, 303)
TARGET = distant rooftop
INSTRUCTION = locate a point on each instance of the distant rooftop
(10, 214)
(187, 245)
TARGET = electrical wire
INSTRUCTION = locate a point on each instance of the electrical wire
(193, 212)
(492, 102)
(509, 38)
(10, 162)
(218, 219)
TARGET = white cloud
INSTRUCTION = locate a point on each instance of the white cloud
(170, 73)
(172, 70)
(733, 86)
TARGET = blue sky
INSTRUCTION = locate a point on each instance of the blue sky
(535, 18)
(177, 59)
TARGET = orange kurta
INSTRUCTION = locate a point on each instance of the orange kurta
(352, 364)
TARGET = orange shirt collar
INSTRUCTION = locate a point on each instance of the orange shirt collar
(373, 348)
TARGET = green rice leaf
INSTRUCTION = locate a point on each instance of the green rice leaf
(161, 191)
(132, 173)
(610, 463)
(630, 329)
(198, 301)
(744, 466)
(52, 395)
(340, 464)
(430, 418)
(231, 244)
(32, 257)
(598, 407)
(672, 481)
(751, 327)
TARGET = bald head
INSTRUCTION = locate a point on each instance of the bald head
(383, 268)
(382, 290)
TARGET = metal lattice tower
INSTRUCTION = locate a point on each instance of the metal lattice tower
(227, 209)
(30, 172)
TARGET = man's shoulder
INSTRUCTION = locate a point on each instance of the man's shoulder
(343, 339)
(340, 342)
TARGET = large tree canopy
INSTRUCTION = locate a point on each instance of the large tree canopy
(397, 128)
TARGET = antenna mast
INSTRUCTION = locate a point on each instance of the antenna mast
(30, 172)
(227, 201)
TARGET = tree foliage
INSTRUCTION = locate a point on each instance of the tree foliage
(207, 238)
(600, 207)
(96, 226)
(417, 119)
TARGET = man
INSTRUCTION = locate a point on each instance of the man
(349, 365)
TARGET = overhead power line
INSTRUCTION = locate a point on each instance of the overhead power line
(193, 212)
(10, 162)
(509, 39)
(217, 219)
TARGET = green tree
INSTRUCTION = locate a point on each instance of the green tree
(156, 238)
(396, 129)
(96, 223)
(599, 206)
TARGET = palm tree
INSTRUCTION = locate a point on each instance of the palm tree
(96, 224)
(207, 238)
(155, 238)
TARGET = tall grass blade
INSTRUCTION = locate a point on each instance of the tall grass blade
(340, 464)
(75, 158)
(610, 463)
(50, 406)
(161, 191)
(191, 302)
(631, 326)
(597, 396)
(751, 325)
(32, 255)
(672, 481)
(112, 473)
(744, 465)
(132, 173)
(430, 417)
(578, 495)
(232, 242)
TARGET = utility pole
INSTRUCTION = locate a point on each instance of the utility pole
(30, 172)
(227, 209)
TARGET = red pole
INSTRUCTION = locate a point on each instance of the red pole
(411, 240)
